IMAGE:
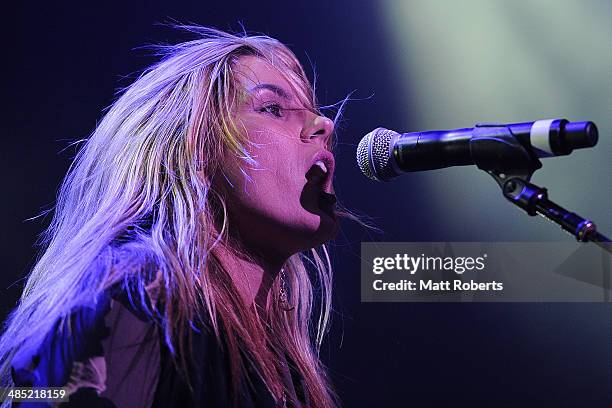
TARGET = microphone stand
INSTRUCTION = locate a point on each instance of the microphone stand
(534, 200)
(511, 163)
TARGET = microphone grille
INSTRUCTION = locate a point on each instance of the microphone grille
(374, 154)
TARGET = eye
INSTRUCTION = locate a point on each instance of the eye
(272, 109)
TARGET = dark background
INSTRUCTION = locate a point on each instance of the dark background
(62, 65)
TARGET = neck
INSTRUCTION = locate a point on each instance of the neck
(252, 276)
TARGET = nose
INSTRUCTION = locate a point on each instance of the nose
(319, 128)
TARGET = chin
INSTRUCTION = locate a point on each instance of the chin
(318, 229)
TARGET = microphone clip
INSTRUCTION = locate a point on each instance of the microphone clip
(496, 150)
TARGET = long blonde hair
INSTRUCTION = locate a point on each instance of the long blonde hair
(144, 177)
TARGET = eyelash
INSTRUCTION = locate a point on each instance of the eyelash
(267, 109)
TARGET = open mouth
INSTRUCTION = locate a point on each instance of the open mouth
(320, 175)
(321, 170)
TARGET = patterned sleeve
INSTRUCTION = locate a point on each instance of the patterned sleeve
(110, 357)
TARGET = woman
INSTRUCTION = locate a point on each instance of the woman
(186, 249)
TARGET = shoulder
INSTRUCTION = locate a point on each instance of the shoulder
(106, 351)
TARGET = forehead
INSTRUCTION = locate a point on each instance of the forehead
(252, 71)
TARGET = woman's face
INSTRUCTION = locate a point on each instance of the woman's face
(283, 203)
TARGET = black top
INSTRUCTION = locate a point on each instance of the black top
(117, 357)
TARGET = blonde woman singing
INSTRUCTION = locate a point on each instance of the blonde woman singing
(185, 264)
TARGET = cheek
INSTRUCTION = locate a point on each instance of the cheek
(277, 180)
(274, 182)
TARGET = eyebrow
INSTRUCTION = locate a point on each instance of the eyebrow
(274, 88)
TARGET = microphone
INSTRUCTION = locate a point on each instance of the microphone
(384, 154)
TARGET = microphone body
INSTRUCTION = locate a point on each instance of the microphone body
(384, 154)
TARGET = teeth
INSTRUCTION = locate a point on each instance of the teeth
(321, 165)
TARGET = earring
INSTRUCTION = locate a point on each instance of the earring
(283, 298)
